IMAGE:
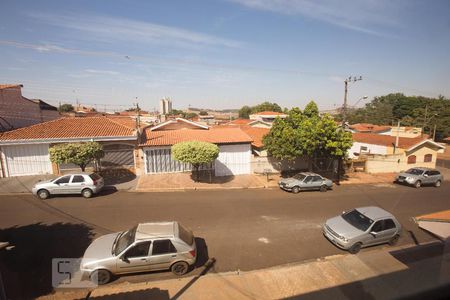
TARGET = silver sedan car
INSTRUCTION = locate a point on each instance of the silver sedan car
(305, 181)
(79, 183)
(145, 247)
(362, 227)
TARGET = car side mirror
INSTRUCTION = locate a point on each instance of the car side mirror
(425, 175)
(124, 258)
(374, 233)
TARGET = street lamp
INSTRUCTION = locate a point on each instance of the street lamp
(362, 98)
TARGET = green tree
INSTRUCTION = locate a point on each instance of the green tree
(306, 134)
(266, 106)
(195, 153)
(311, 110)
(66, 108)
(190, 115)
(80, 154)
(203, 113)
(245, 112)
(416, 111)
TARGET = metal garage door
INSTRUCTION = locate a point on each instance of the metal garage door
(27, 160)
(233, 160)
(160, 161)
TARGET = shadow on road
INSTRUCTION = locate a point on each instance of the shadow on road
(27, 268)
(153, 294)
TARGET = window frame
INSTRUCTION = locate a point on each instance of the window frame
(172, 247)
(65, 176)
(412, 159)
(74, 176)
(428, 157)
(132, 247)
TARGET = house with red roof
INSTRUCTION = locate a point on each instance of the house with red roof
(234, 145)
(17, 111)
(25, 151)
(385, 153)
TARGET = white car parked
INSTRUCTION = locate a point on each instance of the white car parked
(86, 184)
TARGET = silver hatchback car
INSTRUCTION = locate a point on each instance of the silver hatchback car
(362, 227)
(86, 184)
(145, 247)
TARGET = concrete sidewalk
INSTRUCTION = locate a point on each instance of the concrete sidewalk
(184, 181)
(419, 271)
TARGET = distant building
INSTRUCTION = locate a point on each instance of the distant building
(17, 111)
(165, 106)
(267, 116)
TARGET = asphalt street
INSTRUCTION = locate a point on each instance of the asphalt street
(241, 229)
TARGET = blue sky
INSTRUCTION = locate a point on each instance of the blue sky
(224, 53)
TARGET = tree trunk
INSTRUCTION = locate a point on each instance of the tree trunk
(83, 167)
(196, 167)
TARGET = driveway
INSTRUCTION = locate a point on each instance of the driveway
(242, 229)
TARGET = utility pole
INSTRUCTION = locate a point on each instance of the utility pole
(425, 119)
(138, 117)
(346, 82)
(344, 117)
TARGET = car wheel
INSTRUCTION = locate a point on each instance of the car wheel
(295, 189)
(355, 248)
(100, 276)
(437, 183)
(418, 184)
(87, 193)
(43, 194)
(179, 268)
(323, 188)
(393, 241)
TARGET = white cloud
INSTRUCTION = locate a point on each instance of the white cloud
(362, 16)
(101, 72)
(108, 28)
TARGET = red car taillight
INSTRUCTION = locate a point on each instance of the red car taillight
(192, 252)
(95, 182)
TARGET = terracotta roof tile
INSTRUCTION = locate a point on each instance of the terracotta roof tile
(6, 86)
(441, 216)
(386, 140)
(213, 135)
(84, 127)
(240, 122)
(256, 133)
(366, 127)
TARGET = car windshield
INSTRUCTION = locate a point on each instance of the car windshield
(124, 240)
(414, 172)
(357, 219)
(300, 176)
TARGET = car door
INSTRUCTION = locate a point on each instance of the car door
(62, 185)
(164, 254)
(77, 184)
(427, 177)
(382, 231)
(135, 259)
(316, 182)
(307, 183)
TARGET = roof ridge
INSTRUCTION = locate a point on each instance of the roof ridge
(34, 125)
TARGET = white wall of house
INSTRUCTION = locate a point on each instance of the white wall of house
(23, 160)
(366, 148)
(233, 160)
